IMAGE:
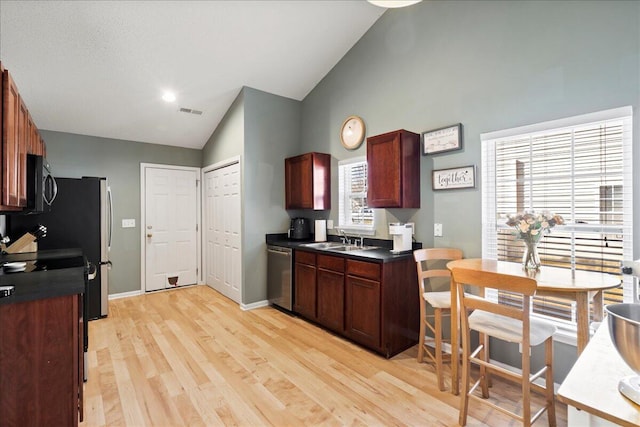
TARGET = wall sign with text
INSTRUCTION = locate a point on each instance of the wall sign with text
(441, 140)
(454, 178)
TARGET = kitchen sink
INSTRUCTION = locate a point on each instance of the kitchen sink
(337, 247)
(347, 248)
(323, 245)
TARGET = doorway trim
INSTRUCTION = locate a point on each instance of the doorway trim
(143, 216)
(219, 165)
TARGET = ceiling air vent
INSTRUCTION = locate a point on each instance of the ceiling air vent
(190, 111)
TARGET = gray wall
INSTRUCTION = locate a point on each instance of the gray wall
(264, 129)
(490, 65)
(272, 133)
(74, 156)
(227, 140)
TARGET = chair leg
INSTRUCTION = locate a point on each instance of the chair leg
(484, 373)
(464, 392)
(526, 385)
(438, 347)
(551, 408)
(423, 331)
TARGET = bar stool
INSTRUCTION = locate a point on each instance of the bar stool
(508, 323)
(431, 264)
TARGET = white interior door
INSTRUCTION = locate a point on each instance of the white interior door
(223, 232)
(171, 257)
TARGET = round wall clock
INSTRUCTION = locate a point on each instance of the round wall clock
(352, 132)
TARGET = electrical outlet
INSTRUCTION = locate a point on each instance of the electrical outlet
(128, 223)
(437, 230)
(329, 224)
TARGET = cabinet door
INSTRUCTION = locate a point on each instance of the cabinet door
(34, 137)
(305, 290)
(331, 299)
(10, 141)
(363, 311)
(384, 170)
(24, 134)
(394, 170)
(39, 358)
(299, 182)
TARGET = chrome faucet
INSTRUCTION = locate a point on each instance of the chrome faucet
(345, 238)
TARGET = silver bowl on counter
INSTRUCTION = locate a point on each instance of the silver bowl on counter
(624, 328)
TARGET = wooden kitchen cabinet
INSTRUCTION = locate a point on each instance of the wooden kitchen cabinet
(331, 295)
(382, 311)
(373, 303)
(308, 181)
(41, 362)
(10, 142)
(393, 162)
(19, 136)
(363, 304)
(305, 294)
(24, 136)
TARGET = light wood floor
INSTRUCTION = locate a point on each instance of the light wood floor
(191, 357)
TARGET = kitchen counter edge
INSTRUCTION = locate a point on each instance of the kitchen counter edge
(35, 285)
(380, 255)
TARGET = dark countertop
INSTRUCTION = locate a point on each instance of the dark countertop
(383, 254)
(51, 273)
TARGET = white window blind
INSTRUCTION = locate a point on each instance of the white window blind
(579, 168)
(353, 212)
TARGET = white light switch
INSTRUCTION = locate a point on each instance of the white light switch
(128, 223)
(437, 230)
(329, 224)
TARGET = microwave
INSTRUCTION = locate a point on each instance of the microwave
(41, 185)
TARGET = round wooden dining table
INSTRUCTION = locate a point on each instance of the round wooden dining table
(584, 287)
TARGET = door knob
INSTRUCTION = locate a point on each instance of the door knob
(149, 235)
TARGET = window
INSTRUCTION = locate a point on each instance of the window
(354, 215)
(580, 168)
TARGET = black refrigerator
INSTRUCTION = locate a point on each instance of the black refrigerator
(80, 217)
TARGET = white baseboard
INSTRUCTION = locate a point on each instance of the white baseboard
(125, 295)
(245, 307)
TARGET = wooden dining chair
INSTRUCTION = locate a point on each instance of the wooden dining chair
(431, 264)
(505, 322)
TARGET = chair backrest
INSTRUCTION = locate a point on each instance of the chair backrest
(423, 256)
(467, 279)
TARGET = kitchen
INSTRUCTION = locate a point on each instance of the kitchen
(476, 49)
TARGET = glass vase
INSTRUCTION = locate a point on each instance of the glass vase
(531, 257)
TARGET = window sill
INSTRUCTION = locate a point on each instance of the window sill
(353, 230)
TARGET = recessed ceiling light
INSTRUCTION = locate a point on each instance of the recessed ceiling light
(169, 96)
(393, 3)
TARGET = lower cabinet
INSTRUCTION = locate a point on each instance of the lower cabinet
(363, 313)
(305, 293)
(330, 278)
(41, 362)
(373, 303)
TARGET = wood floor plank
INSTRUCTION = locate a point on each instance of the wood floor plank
(191, 357)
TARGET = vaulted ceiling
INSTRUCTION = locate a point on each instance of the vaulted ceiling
(100, 67)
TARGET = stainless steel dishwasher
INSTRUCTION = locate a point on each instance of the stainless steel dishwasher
(279, 276)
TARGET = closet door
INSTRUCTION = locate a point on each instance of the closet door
(223, 231)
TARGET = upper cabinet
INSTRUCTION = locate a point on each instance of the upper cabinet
(393, 161)
(308, 181)
(19, 136)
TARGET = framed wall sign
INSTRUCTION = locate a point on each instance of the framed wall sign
(444, 139)
(450, 179)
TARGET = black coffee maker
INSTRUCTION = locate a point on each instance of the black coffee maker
(299, 229)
